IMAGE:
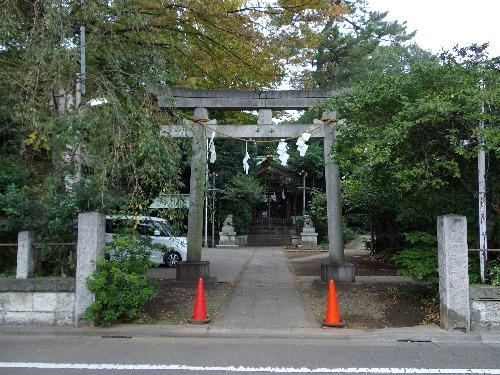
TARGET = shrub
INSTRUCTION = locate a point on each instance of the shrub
(420, 260)
(120, 284)
(418, 263)
(474, 270)
(299, 224)
(349, 233)
(494, 272)
(318, 213)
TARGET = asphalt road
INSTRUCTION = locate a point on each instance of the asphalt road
(158, 355)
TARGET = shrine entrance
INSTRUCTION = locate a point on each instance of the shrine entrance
(275, 209)
(200, 127)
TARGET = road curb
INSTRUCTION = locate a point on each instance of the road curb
(420, 334)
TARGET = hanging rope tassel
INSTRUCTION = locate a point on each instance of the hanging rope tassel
(283, 152)
(246, 167)
(301, 143)
(211, 147)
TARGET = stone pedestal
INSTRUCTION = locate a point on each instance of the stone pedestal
(453, 272)
(191, 271)
(295, 240)
(309, 237)
(188, 273)
(227, 240)
(341, 273)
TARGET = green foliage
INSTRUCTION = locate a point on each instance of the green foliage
(421, 238)
(15, 209)
(15, 199)
(8, 261)
(313, 162)
(418, 263)
(13, 172)
(408, 147)
(318, 213)
(349, 233)
(361, 44)
(124, 163)
(299, 224)
(494, 272)
(474, 271)
(120, 284)
(241, 194)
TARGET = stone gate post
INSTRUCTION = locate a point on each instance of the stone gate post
(25, 257)
(453, 272)
(91, 232)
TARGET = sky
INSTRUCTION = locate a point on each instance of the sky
(445, 23)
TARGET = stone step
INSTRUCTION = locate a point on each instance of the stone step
(269, 239)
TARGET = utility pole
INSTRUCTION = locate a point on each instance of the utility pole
(214, 174)
(304, 175)
(206, 197)
(79, 91)
(304, 193)
(481, 166)
(82, 60)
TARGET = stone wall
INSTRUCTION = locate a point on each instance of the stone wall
(37, 301)
(484, 307)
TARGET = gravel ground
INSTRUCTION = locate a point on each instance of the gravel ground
(367, 306)
(173, 305)
(364, 265)
(372, 306)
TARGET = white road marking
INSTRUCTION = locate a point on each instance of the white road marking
(283, 370)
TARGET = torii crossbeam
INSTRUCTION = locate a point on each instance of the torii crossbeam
(265, 102)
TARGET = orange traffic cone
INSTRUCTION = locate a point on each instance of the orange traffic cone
(200, 310)
(332, 316)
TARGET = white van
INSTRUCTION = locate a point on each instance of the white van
(159, 231)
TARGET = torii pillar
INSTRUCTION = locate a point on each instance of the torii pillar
(336, 268)
(193, 268)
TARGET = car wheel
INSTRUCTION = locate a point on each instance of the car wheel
(171, 259)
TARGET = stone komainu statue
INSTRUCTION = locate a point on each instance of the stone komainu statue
(228, 221)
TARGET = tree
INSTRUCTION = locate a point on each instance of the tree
(129, 43)
(229, 43)
(356, 46)
(241, 194)
(409, 145)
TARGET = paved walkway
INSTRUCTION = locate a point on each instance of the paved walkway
(266, 295)
(225, 264)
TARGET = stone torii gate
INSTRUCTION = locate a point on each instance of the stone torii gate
(200, 128)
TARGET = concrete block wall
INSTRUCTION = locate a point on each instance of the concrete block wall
(485, 307)
(37, 301)
(37, 308)
(52, 300)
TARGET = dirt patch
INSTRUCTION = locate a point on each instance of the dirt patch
(372, 306)
(364, 265)
(173, 305)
